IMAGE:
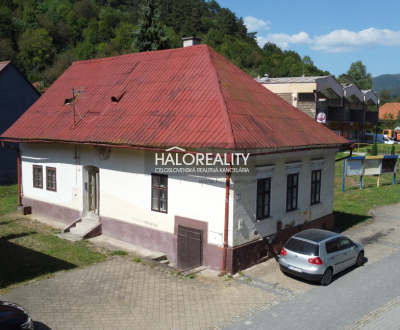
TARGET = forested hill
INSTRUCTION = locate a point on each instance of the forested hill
(390, 82)
(44, 37)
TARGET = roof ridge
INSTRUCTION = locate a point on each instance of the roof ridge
(227, 119)
(116, 57)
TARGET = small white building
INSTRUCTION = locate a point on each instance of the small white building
(177, 151)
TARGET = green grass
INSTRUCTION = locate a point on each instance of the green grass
(8, 198)
(29, 250)
(119, 253)
(352, 206)
(382, 148)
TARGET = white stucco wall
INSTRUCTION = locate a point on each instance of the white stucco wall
(125, 186)
(125, 189)
(246, 185)
(291, 87)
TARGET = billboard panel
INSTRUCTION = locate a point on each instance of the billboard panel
(354, 167)
(372, 166)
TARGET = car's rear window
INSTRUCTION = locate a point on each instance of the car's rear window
(299, 246)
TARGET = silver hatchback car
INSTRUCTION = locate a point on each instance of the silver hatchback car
(317, 255)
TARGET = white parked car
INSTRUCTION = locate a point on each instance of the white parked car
(388, 140)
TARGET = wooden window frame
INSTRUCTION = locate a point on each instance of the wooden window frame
(289, 192)
(158, 187)
(33, 177)
(316, 183)
(263, 193)
(47, 175)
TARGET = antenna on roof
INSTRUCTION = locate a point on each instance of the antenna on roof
(73, 99)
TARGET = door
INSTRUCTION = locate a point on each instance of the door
(93, 191)
(335, 254)
(190, 247)
(348, 251)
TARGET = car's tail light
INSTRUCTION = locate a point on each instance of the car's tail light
(315, 261)
(283, 252)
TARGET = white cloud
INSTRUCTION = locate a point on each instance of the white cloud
(343, 41)
(254, 24)
(284, 40)
(338, 41)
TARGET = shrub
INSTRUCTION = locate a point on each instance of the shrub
(374, 150)
(393, 150)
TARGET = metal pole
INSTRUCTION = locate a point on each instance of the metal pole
(73, 103)
(19, 176)
(227, 188)
(344, 173)
(361, 182)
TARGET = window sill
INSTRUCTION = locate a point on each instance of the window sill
(315, 204)
(294, 210)
(163, 212)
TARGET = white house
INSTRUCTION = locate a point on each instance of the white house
(176, 151)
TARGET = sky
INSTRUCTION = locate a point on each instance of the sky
(333, 33)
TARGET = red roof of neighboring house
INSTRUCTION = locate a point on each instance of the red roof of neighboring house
(188, 97)
(389, 108)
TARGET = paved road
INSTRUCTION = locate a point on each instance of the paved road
(342, 304)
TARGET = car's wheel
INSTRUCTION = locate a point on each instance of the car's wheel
(326, 279)
(360, 259)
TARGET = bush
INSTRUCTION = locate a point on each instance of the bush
(393, 150)
(374, 150)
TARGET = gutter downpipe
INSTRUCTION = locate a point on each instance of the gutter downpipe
(18, 169)
(227, 188)
(351, 148)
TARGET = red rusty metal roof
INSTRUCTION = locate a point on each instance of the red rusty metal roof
(187, 97)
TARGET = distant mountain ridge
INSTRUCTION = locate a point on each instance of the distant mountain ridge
(387, 81)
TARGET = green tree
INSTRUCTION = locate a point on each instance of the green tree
(374, 149)
(385, 97)
(86, 9)
(6, 27)
(123, 38)
(362, 79)
(35, 49)
(393, 150)
(150, 33)
(7, 53)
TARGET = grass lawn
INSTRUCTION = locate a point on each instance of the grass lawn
(29, 250)
(382, 148)
(352, 206)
